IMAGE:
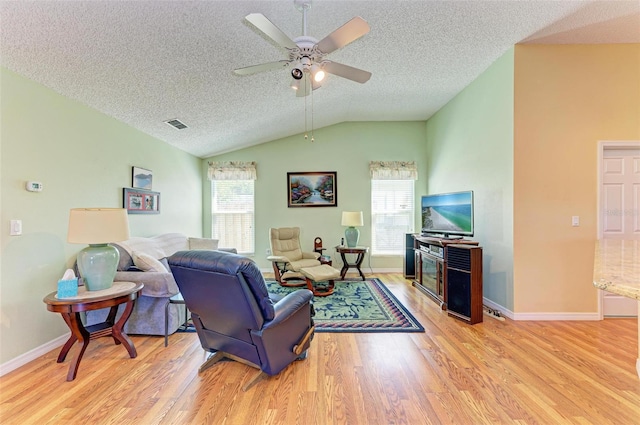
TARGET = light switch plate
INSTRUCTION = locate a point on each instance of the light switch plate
(16, 228)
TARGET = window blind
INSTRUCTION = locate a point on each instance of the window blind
(392, 215)
(232, 214)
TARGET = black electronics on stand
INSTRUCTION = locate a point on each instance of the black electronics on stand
(409, 269)
(464, 282)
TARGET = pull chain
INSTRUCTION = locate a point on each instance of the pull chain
(305, 111)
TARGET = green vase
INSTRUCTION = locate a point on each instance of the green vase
(97, 264)
(352, 235)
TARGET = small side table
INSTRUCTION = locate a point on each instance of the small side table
(70, 309)
(360, 251)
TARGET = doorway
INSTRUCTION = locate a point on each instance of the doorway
(618, 208)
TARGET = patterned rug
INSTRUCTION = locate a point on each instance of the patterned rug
(358, 306)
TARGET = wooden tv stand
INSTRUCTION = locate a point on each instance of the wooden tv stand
(431, 265)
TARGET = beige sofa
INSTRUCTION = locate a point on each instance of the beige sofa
(144, 260)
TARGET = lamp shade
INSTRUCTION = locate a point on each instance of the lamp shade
(98, 225)
(352, 218)
(98, 262)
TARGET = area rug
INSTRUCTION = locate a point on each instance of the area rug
(358, 306)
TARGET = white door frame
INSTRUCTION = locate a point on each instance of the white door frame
(602, 146)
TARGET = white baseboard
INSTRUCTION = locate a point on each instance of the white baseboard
(29, 356)
(559, 316)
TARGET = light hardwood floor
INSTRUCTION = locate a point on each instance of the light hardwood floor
(493, 372)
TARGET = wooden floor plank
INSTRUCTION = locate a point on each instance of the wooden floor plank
(453, 373)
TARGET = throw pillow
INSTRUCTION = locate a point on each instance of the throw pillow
(147, 263)
(203, 243)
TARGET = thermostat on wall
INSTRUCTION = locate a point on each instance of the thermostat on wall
(34, 186)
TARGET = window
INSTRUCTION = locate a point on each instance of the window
(232, 214)
(392, 215)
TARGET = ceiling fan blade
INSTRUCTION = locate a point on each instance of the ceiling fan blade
(253, 69)
(271, 31)
(305, 86)
(351, 31)
(346, 71)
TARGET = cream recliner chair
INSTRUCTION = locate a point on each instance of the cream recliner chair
(287, 256)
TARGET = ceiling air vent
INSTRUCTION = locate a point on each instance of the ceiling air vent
(176, 124)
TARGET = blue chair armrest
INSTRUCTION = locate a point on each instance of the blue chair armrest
(287, 306)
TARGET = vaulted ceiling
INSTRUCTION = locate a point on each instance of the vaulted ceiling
(146, 62)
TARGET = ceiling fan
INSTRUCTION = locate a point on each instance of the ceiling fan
(306, 54)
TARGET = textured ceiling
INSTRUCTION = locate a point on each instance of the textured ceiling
(145, 62)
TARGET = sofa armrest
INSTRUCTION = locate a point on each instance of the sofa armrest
(156, 284)
(203, 243)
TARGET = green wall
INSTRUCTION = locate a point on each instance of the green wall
(345, 148)
(84, 159)
(470, 147)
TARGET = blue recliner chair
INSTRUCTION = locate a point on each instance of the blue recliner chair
(234, 315)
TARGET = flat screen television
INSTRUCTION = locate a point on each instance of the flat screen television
(448, 214)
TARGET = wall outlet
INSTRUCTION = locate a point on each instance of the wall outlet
(575, 221)
(268, 252)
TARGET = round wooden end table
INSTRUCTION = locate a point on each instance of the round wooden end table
(70, 309)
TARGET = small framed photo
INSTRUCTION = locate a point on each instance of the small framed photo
(140, 201)
(312, 189)
(141, 178)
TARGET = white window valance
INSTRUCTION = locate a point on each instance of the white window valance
(232, 170)
(393, 170)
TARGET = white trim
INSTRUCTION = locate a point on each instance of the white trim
(31, 355)
(560, 316)
(557, 316)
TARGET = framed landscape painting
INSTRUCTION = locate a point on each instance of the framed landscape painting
(312, 189)
(141, 178)
(140, 201)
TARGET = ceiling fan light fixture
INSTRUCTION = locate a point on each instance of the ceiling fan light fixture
(297, 73)
(318, 73)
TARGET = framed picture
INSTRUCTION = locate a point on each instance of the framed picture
(140, 201)
(312, 189)
(141, 178)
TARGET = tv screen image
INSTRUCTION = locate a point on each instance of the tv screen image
(448, 213)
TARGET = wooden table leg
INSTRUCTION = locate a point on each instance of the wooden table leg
(359, 260)
(119, 335)
(345, 266)
(72, 340)
(111, 320)
(82, 335)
